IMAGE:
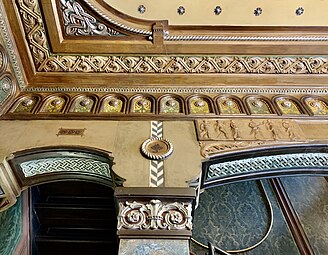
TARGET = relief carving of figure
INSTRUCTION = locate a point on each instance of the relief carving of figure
(234, 130)
(255, 129)
(220, 129)
(203, 129)
(289, 130)
(271, 128)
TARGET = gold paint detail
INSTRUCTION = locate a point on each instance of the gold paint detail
(199, 105)
(71, 131)
(316, 106)
(142, 105)
(258, 106)
(156, 148)
(248, 130)
(170, 105)
(83, 104)
(228, 106)
(112, 105)
(288, 106)
(26, 105)
(155, 214)
(54, 105)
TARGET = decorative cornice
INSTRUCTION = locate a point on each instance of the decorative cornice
(186, 64)
(78, 22)
(45, 61)
(10, 47)
(182, 90)
(155, 215)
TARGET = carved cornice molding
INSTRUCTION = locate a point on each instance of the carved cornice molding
(45, 61)
(10, 47)
(155, 215)
(182, 90)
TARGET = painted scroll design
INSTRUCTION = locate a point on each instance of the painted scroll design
(46, 62)
(78, 22)
(61, 164)
(155, 215)
(266, 163)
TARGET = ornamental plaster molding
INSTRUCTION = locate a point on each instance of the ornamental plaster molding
(154, 215)
(10, 47)
(182, 90)
(51, 165)
(45, 61)
(267, 163)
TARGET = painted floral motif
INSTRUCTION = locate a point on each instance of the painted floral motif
(83, 104)
(26, 105)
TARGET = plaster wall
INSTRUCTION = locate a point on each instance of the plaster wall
(122, 138)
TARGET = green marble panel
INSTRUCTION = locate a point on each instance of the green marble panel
(235, 216)
(10, 228)
(309, 197)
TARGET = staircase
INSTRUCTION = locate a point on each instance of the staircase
(73, 217)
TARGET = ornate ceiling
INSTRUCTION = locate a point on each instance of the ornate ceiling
(141, 47)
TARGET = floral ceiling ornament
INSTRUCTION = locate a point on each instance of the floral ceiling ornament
(155, 215)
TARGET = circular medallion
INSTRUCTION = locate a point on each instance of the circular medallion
(156, 148)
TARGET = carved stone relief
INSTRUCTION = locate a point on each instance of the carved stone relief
(248, 130)
(155, 215)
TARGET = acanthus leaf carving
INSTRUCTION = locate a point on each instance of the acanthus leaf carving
(155, 215)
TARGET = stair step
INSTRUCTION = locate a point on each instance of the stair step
(77, 222)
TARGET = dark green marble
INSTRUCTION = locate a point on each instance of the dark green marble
(236, 216)
(309, 197)
(10, 228)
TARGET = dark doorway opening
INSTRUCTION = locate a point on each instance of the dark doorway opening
(72, 217)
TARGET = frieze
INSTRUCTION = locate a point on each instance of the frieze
(154, 215)
(248, 130)
(196, 106)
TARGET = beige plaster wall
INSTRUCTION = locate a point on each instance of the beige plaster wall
(122, 138)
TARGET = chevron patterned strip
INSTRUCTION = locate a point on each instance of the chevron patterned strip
(156, 173)
(156, 166)
(157, 129)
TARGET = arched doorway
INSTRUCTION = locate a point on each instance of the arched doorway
(71, 198)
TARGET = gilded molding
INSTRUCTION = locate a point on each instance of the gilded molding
(10, 47)
(47, 62)
(154, 215)
(186, 64)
